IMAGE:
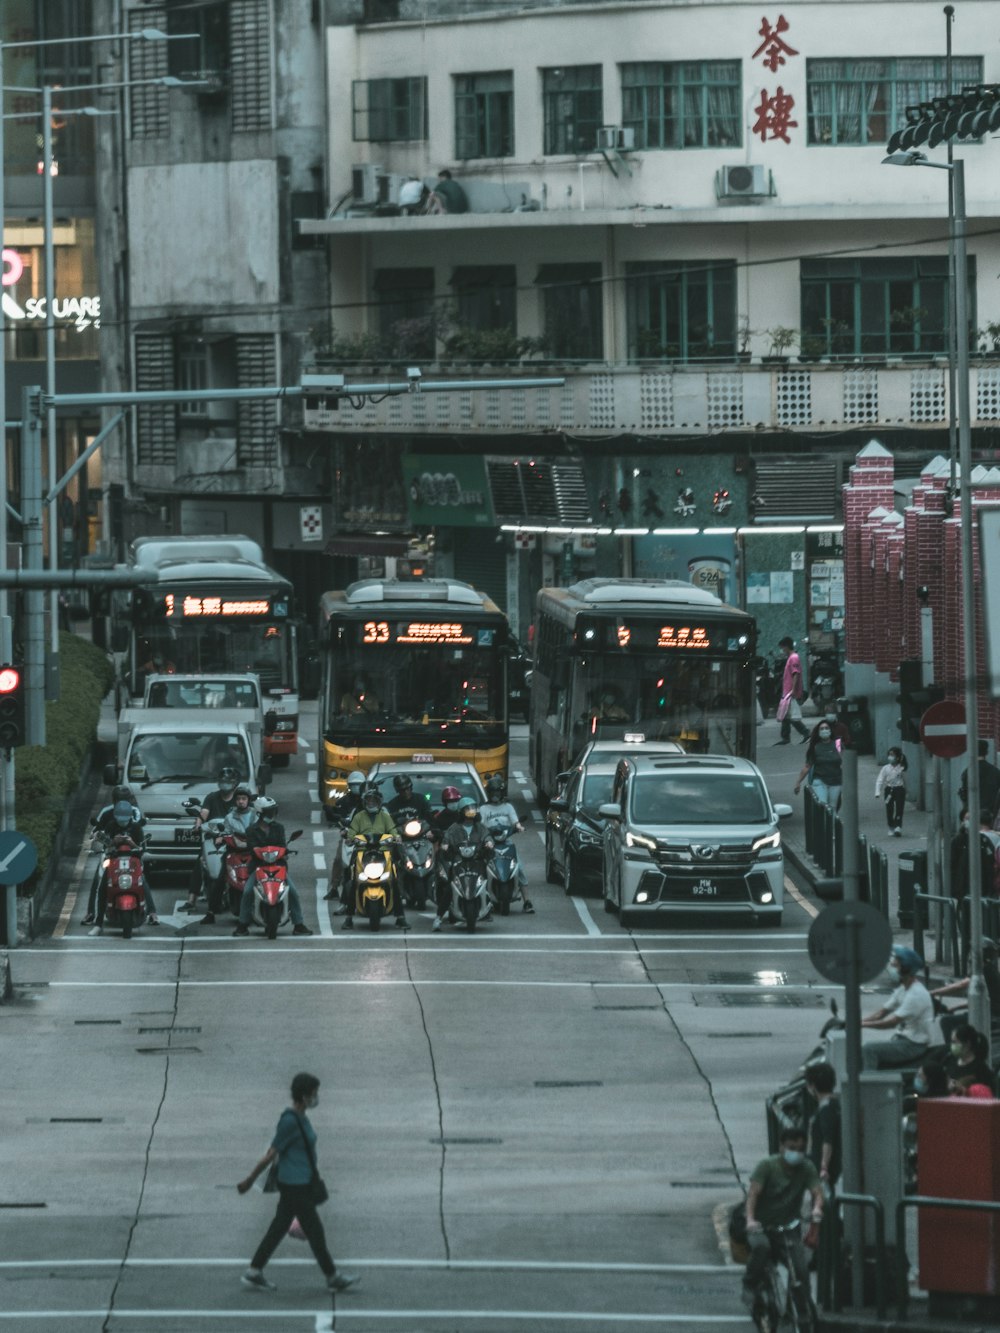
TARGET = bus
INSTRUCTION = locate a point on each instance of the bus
(412, 670)
(212, 605)
(631, 659)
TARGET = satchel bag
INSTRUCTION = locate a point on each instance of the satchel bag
(317, 1186)
(270, 1185)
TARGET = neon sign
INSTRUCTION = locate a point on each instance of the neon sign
(215, 606)
(683, 636)
(437, 633)
(81, 311)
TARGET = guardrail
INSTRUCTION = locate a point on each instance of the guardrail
(825, 845)
(829, 1271)
(950, 952)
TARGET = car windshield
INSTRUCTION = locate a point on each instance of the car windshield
(597, 789)
(699, 798)
(185, 756)
(427, 782)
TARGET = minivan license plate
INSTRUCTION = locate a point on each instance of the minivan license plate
(705, 888)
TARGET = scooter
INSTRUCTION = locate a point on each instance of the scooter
(125, 891)
(470, 900)
(416, 863)
(238, 864)
(374, 875)
(502, 867)
(210, 858)
(791, 1107)
(270, 886)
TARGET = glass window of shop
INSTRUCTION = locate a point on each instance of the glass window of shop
(77, 304)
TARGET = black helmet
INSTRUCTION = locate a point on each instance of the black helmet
(495, 788)
(243, 790)
(402, 782)
(228, 778)
(372, 798)
(121, 794)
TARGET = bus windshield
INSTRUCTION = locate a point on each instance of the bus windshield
(213, 647)
(425, 686)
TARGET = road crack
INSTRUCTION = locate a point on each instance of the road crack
(440, 1109)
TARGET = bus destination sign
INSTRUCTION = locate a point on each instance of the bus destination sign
(638, 635)
(189, 606)
(436, 633)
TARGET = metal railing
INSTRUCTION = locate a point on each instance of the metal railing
(951, 952)
(825, 845)
(828, 1284)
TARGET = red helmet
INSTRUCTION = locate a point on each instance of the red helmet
(451, 794)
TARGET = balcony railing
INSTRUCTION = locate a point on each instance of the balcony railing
(682, 399)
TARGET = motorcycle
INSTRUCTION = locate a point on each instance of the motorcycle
(270, 886)
(374, 875)
(502, 866)
(791, 1107)
(416, 863)
(826, 683)
(470, 901)
(125, 891)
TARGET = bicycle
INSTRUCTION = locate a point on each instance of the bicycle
(783, 1301)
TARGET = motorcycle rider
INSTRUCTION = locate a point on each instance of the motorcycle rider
(347, 807)
(120, 819)
(371, 820)
(266, 831)
(499, 810)
(408, 804)
(467, 831)
(236, 823)
(216, 805)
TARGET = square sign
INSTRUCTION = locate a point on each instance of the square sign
(989, 563)
(311, 522)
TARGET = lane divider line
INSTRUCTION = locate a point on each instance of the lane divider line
(69, 903)
(582, 911)
(323, 909)
(804, 903)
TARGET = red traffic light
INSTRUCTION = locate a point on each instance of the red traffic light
(10, 679)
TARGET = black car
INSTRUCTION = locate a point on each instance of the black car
(574, 831)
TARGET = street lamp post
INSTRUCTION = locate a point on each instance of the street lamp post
(979, 1008)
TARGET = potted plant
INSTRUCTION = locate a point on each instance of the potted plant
(812, 346)
(781, 339)
(744, 334)
(989, 340)
(838, 337)
(904, 331)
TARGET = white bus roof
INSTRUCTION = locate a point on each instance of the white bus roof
(157, 552)
(604, 593)
(413, 590)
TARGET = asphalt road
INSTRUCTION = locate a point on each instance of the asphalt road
(539, 1125)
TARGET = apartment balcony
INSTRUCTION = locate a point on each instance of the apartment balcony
(686, 400)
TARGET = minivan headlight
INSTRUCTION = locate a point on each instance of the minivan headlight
(639, 840)
(767, 848)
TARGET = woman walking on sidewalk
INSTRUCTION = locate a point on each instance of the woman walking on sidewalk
(300, 1189)
(890, 786)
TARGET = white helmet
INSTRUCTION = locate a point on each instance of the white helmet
(266, 807)
(356, 782)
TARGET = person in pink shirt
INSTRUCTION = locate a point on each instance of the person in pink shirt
(792, 692)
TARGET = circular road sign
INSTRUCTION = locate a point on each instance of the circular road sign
(829, 933)
(943, 730)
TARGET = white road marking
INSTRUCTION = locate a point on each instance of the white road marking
(314, 797)
(310, 756)
(322, 910)
(534, 814)
(304, 744)
(322, 1320)
(314, 816)
(395, 944)
(590, 925)
(478, 982)
(319, 860)
(69, 906)
(443, 1265)
(317, 837)
(793, 892)
(519, 776)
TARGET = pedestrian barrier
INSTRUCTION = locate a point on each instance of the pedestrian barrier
(831, 1256)
(825, 846)
(921, 1201)
(921, 922)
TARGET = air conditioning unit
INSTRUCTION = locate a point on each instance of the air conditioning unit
(616, 138)
(389, 185)
(364, 183)
(744, 182)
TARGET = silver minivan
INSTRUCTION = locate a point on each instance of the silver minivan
(693, 833)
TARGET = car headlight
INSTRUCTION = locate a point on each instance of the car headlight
(767, 848)
(584, 836)
(640, 840)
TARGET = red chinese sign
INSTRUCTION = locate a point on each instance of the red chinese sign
(774, 112)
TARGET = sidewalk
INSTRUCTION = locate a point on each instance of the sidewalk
(781, 765)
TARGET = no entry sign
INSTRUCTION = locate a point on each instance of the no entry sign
(942, 729)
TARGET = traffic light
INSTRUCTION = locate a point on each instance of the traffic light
(12, 707)
(969, 114)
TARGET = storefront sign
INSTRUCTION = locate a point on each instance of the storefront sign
(80, 311)
(447, 491)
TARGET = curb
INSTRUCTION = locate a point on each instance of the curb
(6, 988)
(860, 1322)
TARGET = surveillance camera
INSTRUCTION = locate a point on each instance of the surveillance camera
(923, 594)
(413, 373)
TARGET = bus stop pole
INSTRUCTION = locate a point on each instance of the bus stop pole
(851, 1091)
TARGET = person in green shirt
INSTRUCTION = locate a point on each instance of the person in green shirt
(774, 1202)
(371, 819)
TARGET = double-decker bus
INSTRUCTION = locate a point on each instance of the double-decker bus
(212, 605)
(657, 659)
(413, 670)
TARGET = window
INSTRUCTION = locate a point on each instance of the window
(206, 363)
(484, 115)
(573, 310)
(863, 101)
(205, 55)
(406, 311)
(573, 105)
(486, 296)
(681, 309)
(683, 105)
(856, 306)
(389, 109)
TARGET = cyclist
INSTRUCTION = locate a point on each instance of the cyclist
(774, 1202)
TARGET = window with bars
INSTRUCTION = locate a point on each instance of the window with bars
(205, 55)
(149, 105)
(573, 311)
(484, 115)
(877, 306)
(863, 101)
(680, 309)
(250, 48)
(389, 109)
(689, 104)
(573, 107)
(156, 424)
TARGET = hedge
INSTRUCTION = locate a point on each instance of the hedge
(46, 775)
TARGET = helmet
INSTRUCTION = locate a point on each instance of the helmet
(356, 782)
(402, 782)
(372, 798)
(495, 788)
(910, 962)
(450, 794)
(228, 778)
(465, 805)
(121, 794)
(266, 807)
(124, 813)
(243, 789)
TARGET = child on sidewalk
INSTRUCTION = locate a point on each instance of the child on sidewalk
(890, 786)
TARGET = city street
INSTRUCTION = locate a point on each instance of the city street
(542, 1124)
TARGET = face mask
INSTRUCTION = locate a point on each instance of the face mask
(920, 1087)
(824, 733)
(956, 1048)
(792, 1157)
(450, 805)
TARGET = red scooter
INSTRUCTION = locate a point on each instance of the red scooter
(270, 886)
(125, 885)
(238, 863)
